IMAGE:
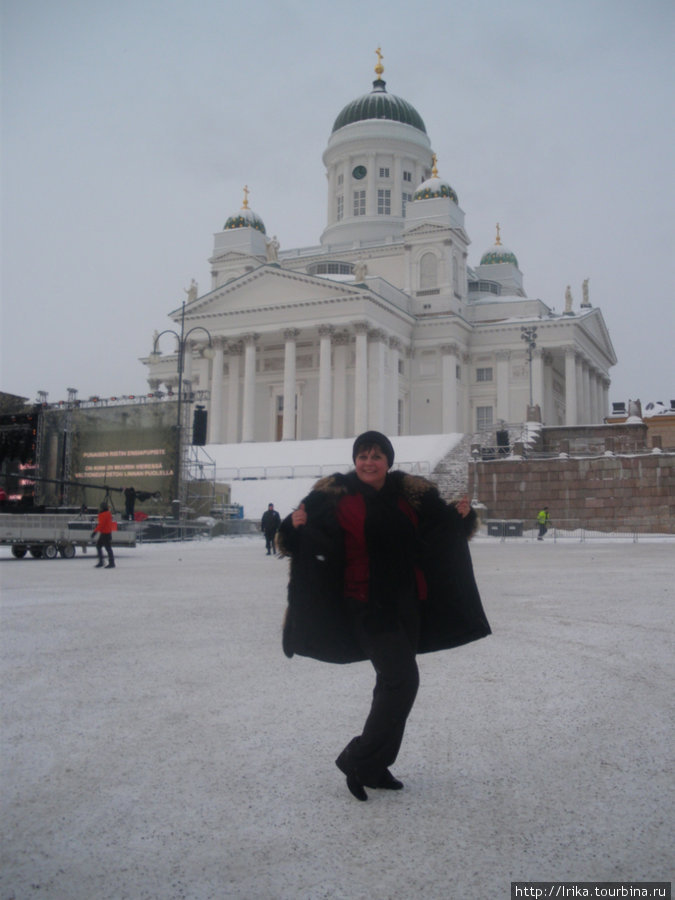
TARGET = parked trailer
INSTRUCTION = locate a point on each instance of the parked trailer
(46, 536)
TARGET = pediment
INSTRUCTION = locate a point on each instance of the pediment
(594, 325)
(234, 257)
(425, 229)
(268, 287)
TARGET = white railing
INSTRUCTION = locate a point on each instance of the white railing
(261, 473)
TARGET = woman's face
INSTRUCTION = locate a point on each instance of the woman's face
(371, 467)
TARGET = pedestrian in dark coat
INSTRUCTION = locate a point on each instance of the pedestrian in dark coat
(269, 525)
(380, 570)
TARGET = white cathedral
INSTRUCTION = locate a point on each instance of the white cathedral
(384, 324)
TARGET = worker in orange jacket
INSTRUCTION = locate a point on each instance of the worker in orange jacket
(104, 528)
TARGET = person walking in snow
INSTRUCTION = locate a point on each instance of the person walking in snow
(269, 525)
(380, 570)
(104, 528)
(543, 519)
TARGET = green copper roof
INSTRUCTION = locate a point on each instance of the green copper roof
(433, 188)
(245, 218)
(378, 104)
(498, 254)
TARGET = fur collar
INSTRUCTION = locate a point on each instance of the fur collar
(412, 487)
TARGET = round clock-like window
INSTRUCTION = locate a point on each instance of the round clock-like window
(359, 172)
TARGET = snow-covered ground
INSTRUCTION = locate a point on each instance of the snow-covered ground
(157, 744)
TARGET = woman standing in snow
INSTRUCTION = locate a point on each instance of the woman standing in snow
(380, 570)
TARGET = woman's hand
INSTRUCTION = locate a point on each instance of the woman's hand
(299, 516)
(463, 507)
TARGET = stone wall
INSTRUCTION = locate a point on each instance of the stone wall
(607, 493)
(595, 439)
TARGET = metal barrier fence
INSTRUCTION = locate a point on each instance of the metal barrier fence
(504, 529)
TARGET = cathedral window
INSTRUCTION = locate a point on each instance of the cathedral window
(359, 203)
(384, 202)
(407, 176)
(484, 374)
(331, 268)
(384, 172)
(483, 417)
(428, 271)
(405, 200)
(340, 207)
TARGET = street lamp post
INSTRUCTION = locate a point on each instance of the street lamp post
(182, 343)
(529, 335)
(475, 453)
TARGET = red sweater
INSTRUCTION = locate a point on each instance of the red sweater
(351, 513)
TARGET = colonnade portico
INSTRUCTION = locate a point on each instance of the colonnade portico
(354, 392)
(355, 383)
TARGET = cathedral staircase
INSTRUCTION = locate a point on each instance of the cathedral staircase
(451, 474)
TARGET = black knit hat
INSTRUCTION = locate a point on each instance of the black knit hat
(368, 438)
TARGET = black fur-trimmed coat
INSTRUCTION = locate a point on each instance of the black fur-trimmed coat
(318, 623)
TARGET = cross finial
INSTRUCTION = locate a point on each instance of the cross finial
(434, 169)
(246, 193)
(379, 68)
(498, 242)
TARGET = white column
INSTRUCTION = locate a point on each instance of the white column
(465, 404)
(570, 386)
(288, 430)
(361, 378)
(187, 366)
(216, 404)
(376, 380)
(605, 396)
(580, 390)
(393, 392)
(248, 417)
(341, 344)
(586, 394)
(449, 357)
(371, 190)
(547, 410)
(538, 378)
(234, 351)
(325, 386)
(503, 387)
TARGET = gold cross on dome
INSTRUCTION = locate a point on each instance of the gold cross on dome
(379, 68)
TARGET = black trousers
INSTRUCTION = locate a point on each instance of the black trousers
(389, 637)
(105, 541)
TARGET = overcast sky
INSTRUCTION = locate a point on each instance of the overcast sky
(130, 129)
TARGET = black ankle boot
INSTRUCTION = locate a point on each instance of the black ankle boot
(353, 781)
(388, 782)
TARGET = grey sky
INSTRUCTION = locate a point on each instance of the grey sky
(130, 129)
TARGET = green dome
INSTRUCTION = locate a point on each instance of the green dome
(433, 188)
(378, 104)
(498, 254)
(245, 218)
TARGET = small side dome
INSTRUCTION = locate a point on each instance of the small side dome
(245, 218)
(498, 254)
(435, 187)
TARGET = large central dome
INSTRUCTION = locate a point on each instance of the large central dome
(378, 104)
